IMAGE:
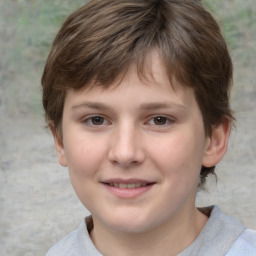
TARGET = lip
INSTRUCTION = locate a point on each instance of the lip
(127, 181)
(128, 193)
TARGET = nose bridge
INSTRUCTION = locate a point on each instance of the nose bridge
(126, 147)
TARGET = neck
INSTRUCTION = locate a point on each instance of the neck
(172, 236)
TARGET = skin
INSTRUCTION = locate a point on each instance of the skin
(142, 130)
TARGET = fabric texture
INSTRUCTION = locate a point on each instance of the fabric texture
(221, 236)
(244, 245)
(218, 235)
(77, 243)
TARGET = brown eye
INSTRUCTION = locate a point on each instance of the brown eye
(160, 120)
(97, 120)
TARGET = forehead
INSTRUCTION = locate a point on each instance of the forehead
(150, 85)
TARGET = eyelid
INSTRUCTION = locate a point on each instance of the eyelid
(170, 120)
(87, 120)
(149, 121)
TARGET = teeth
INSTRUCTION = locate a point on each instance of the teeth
(123, 186)
(131, 185)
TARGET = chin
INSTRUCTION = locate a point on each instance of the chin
(130, 223)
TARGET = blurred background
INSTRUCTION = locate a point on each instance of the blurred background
(37, 203)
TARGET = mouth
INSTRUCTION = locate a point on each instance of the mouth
(128, 189)
(128, 185)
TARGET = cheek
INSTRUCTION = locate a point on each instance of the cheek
(179, 154)
(83, 157)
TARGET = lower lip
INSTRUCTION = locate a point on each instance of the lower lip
(128, 193)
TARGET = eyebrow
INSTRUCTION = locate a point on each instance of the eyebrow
(145, 106)
(92, 105)
(154, 106)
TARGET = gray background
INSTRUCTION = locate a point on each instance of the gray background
(37, 203)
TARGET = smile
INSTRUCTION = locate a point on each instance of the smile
(128, 189)
(127, 186)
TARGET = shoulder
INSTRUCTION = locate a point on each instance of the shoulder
(63, 247)
(218, 235)
(77, 243)
(245, 244)
(222, 227)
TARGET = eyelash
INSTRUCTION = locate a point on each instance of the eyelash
(167, 120)
(89, 121)
(152, 121)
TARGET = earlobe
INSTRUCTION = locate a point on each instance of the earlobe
(217, 144)
(58, 146)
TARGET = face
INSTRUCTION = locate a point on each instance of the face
(134, 151)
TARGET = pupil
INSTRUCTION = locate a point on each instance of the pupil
(160, 120)
(97, 120)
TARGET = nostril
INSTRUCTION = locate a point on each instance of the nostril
(125, 164)
(126, 158)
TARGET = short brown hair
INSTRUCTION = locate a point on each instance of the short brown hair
(102, 39)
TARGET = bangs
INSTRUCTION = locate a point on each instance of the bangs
(102, 51)
(99, 43)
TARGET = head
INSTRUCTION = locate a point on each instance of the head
(98, 43)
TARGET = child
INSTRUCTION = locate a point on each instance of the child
(136, 94)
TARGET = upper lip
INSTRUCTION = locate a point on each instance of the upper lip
(127, 181)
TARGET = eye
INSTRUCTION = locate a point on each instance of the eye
(160, 120)
(96, 121)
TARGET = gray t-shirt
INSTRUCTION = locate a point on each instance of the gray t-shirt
(222, 235)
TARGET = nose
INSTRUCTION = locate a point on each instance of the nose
(126, 147)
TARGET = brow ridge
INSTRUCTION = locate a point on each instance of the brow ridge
(144, 106)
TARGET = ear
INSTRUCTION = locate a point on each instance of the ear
(217, 144)
(59, 146)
